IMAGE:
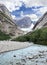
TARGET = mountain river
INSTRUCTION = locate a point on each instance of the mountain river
(33, 55)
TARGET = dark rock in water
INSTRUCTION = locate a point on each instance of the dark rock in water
(41, 51)
(46, 60)
(30, 57)
(36, 61)
(35, 57)
(23, 64)
(40, 55)
(11, 63)
(18, 63)
(23, 60)
(36, 64)
(14, 56)
(46, 50)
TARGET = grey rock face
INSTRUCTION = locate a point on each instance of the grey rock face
(7, 24)
(42, 22)
(5, 10)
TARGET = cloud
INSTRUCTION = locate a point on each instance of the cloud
(22, 14)
(31, 3)
(13, 16)
(43, 10)
(11, 5)
(33, 17)
(39, 12)
(16, 4)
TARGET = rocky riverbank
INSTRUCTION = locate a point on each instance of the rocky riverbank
(12, 45)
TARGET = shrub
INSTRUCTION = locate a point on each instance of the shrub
(4, 36)
(38, 37)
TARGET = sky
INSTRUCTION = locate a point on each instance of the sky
(21, 8)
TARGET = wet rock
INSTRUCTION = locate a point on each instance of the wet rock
(22, 63)
(46, 60)
(40, 55)
(42, 61)
(14, 56)
(35, 57)
(36, 64)
(46, 50)
(19, 63)
(23, 60)
(41, 51)
(36, 61)
(30, 57)
(11, 63)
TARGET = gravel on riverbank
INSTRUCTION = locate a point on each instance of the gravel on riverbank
(6, 46)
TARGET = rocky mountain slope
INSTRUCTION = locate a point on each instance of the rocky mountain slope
(7, 24)
(42, 22)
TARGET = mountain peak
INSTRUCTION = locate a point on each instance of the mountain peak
(25, 22)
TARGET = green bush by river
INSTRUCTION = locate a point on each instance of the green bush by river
(4, 36)
(38, 37)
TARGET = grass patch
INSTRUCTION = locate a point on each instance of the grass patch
(4, 36)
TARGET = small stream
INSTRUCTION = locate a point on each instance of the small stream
(33, 55)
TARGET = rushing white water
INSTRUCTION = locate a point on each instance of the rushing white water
(34, 55)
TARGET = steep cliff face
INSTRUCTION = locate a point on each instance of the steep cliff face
(5, 10)
(6, 22)
(42, 22)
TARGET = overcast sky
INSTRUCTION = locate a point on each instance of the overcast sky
(20, 8)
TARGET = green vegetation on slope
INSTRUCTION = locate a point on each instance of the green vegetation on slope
(4, 36)
(38, 37)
